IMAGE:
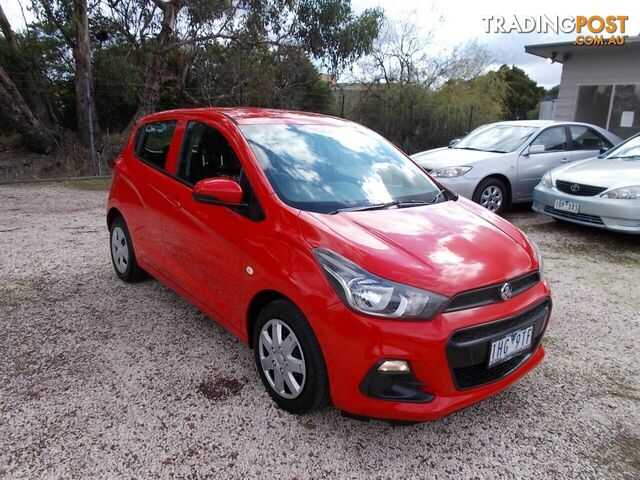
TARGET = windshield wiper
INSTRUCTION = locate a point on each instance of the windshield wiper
(382, 206)
(440, 194)
(479, 149)
(625, 156)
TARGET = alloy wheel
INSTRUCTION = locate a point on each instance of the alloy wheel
(491, 198)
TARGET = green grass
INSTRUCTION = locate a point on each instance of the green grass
(92, 184)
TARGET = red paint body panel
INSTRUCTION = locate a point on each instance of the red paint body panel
(202, 252)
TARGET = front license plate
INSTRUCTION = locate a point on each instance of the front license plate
(510, 345)
(567, 206)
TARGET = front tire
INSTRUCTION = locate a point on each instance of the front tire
(289, 359)
(492, 194)
(123, 255)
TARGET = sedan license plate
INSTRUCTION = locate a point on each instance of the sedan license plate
(567, 206)
(510, 345)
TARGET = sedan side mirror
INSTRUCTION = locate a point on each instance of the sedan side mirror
(535, 149)
(219, 191)
(454, 141)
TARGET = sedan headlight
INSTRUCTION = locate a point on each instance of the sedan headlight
(546, 180)
(624, 193)
(367, 293)
(449, 172)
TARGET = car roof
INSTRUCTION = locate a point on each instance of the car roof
(528, 123)
(542, 123)
(250, 115)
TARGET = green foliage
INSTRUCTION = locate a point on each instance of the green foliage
(43, 53)
(552, 92)
(330, 30)
(117, 79)
(417, 118)
(234, 76)
(523, 94)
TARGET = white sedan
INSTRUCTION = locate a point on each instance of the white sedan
(500, 163)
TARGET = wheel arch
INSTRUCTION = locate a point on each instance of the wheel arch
(112, 214)
(258, 302)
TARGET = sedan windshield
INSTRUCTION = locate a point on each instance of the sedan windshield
(496, 138)
(327, 168)
(629, 150)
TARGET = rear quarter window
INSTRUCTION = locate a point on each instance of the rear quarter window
(153, 141)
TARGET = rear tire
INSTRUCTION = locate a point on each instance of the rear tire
(289, 359)
(492, 194)
(123, 255)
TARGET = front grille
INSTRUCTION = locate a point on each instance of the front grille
(468, 349)
(491, 294)
(579, 189)
(468, 377)
(499, 327)
(579, 217)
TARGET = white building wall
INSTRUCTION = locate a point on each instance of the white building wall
(601, 66)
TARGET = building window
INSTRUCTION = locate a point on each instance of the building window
(613, 107)
(624, 119)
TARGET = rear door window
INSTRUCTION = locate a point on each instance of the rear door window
(153, 141)
(585, 138)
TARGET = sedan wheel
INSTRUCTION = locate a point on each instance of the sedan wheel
(282, 359)
(492, 198)
(492, 194)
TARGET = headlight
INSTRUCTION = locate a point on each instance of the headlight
(373, 295)
(538, 253)
(626, 193)
(449, 172)
(546, 180)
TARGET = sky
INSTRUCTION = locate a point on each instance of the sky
(455, 22)
(462, 22)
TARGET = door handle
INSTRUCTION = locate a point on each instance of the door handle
(565, 160)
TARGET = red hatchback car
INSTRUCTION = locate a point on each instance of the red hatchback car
(354, 276)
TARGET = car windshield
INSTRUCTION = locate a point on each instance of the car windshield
(496, 138)
(326, 168)
(629, 150)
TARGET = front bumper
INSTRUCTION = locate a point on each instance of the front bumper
(616, 215)
(353, 343)
(462, 185)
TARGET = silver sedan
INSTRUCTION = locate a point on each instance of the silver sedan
(601, 192)
(501, 163)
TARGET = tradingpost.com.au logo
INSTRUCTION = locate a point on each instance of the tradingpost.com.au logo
(589, 30)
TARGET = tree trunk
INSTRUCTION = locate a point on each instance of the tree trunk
(154, 71)
(36, 136)
(85, 105)
(32, 84)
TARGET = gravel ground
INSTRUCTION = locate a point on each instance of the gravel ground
(101, 379)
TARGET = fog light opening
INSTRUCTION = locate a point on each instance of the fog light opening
(393, 380)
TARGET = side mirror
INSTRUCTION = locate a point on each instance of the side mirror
(219, 191)
(454, 141)
(535, 149)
